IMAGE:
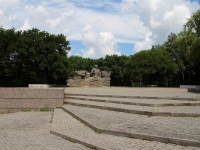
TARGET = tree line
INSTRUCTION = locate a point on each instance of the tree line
(35, 56)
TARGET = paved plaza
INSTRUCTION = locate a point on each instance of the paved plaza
(101, 124)
(31, 131)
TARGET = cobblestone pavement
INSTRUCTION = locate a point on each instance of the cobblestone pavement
(135, 101)
(31, 131)
(65, 124)
(123, 91)
(177, 127)
(169, 109)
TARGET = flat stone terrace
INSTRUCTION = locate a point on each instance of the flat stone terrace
(74, 127)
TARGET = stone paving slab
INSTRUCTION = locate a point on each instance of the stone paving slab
(186, 128)
(176, 111)
(66, 126)
(31, 131)
(132, 91)
(136, 101)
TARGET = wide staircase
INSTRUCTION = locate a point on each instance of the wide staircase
(116, 122)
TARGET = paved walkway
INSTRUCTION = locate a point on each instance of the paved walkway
(31, 131)
(68, 127)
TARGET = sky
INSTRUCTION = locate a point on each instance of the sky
(96, 28)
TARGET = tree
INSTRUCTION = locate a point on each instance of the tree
(191, 37)
(7, 53)
(175, 51)
(154, 67)
(79, 63)
(189, 42)
(37, 57)
(115, 64)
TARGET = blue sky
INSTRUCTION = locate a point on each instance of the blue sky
(101, 27)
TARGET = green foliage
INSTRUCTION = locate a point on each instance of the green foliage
(190, 38)
(79, 63)
(188, 43)
(115, 64)
(151, 67)
(32, 56)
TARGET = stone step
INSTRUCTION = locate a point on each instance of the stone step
(166, 129)
(135, 97)
(173, 111)
(67, 127)
(139, 102)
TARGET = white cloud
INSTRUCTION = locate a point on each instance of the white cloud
(54, 22)
(67, 30)
(36, 11)
(163, 17)
(128, 6)
(128, 21)
(154, 5)
(154, 24)
(145, 44)
(98, 44)
(12, 17)
(77, 54)
(178, 15)
(26, 25)
(69, 54)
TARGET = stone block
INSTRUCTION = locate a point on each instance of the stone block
(30, 98)
(30, 103)
(31, 93)
(41, 85)
(189, 86)
(194, 90)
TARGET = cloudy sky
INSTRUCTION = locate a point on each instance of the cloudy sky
(99, 27)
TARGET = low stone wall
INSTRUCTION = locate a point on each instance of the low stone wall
(16, 99)
(189, 86)
(41, 85)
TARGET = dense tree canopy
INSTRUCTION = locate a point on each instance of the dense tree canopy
(32, 56)
(151, 67)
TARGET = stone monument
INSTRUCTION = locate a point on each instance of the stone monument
(94, 78)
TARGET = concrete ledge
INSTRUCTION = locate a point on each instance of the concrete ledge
(40, 85)
(194, 90)
(16, 99)
(31, 93)
(189, 86)
(5, 111)
(68, 137)
(132, 111)
(30, 103)
(134, 103)
(137, 97)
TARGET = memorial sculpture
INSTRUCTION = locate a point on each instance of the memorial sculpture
(93, 78)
